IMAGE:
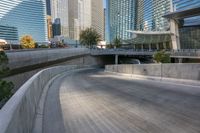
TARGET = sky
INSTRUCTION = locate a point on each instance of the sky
(104, 3)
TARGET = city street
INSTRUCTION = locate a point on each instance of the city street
(92, 101)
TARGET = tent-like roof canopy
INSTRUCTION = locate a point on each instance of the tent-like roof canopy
(143, 37)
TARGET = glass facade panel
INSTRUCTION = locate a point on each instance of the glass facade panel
(190, 37)
(149, 15)
(190, 28)
(180, 5)
(8, 33)
(28, 16)
(121, 18)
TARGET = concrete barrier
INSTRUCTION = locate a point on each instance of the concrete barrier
(29, 58)
(18, 114)
(177, 71)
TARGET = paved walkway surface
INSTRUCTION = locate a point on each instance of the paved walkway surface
(92, 101)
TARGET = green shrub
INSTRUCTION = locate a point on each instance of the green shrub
(43, 46)
(5, 87)
(5, 90)
(161, 57)
(3, 64)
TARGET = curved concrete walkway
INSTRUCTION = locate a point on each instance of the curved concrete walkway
(92, 101)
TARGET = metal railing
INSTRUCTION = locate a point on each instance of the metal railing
(122, 52)
(186, 53)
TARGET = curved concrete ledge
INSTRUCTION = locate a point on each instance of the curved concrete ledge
(18, 115)
(29, 58)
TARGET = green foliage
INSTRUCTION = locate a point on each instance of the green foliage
(3, 64)
(161, 57)
(109, 46)
(5, 87)
(117, 42)
(5, 90)
(43, 46)
(89, 37)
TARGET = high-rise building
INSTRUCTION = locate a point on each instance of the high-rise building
(180, 5)
(49, 27)
(189, 27)
(149, 15)
(56, 27)
(59, 9)
(139, 22)
(48, 7)
(85, 14)
(10, 34)
(28, 16)
(97, 14)
(121, 18)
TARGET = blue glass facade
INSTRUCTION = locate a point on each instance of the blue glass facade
(28, 16)
(121, 15)
(190, 27)
(149, 15)
(180, 5)
(107, 23)
(8, 33)
(141, 15)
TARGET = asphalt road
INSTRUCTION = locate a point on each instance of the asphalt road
(92, 101)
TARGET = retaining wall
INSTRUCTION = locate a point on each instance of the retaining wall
(28, 58)
(177, 71)
(18, 114)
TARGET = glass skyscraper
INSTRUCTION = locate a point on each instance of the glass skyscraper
(136, 15)
(149, 15)
(10, 34)
(28, 16)
(189, 27)
(121, 18)
(180, 5)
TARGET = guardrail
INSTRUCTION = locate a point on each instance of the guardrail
(173, 53)
(121, 52)
(19, 113)
(185, 53)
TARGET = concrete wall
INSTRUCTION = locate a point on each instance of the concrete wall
(28, 58)
(178, 71)
(18, 115)
(21, 78)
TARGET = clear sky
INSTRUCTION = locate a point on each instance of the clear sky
(104, 1)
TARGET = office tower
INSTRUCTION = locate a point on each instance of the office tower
(59, 9)
(56, 27)
(121, 18)
(48, 7)
(28, 16)
(10, 34)
(149, 15)
(85, 14)
(49, 27)
(187, 4)
(189, 27)
(97, 13)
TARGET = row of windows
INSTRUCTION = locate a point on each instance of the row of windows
(8, 33)
(29, 16)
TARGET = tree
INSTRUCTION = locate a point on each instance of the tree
(117, 42)
(161, 57)
(5, 87)
(27, 42)
(89, 37)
